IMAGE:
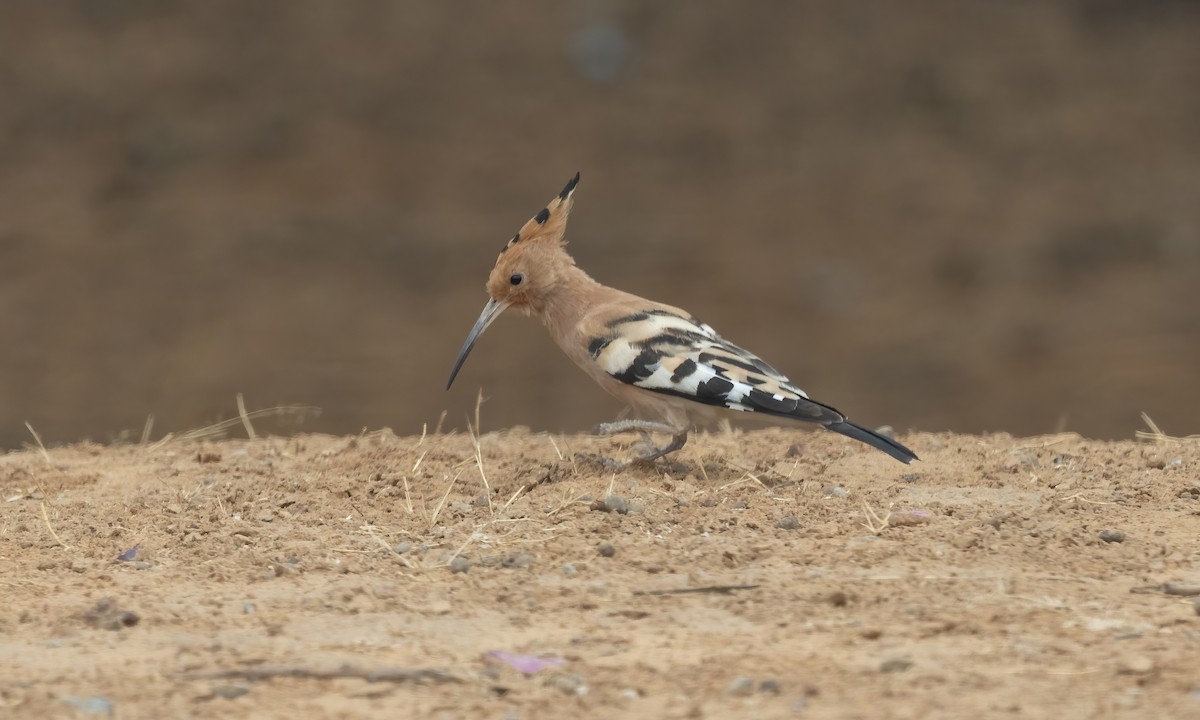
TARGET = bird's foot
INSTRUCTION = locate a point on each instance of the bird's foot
(646, 452)
(606, 463)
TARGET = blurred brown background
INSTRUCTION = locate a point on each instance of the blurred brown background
(942, 215)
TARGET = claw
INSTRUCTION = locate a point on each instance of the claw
(607, 463)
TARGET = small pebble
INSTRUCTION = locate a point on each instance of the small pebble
(740, 505)
(895, 665)
(910, 478)
(613, 503)
(835, 491)
(741, 686)
(91, 705)
(403, 547)
(771, 687)
(569, 683)
(606, 550)
(796, 450)
(230, 692)
(460, 565)
(1112, 536)
(569, 570)
(788, 522)
(481, 500)
(520, 560)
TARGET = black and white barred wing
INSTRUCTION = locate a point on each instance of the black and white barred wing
(674, 354)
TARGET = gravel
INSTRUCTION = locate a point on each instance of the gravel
(612, 503)
(788, 522)
(741, 686)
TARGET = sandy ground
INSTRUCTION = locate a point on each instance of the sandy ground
(371, 576)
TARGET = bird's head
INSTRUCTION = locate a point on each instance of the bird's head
(528, 269)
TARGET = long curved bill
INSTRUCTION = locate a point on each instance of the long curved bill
(491, 311)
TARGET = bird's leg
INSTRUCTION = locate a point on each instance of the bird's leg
(644, 428)
(633, 425)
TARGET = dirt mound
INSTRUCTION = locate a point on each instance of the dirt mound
(771, 574)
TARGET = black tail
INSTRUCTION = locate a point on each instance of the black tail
(874, 439)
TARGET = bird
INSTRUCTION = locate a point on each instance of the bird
(670, 367)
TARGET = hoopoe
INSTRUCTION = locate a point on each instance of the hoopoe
(660, 360)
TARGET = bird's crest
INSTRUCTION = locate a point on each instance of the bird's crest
(550, 223)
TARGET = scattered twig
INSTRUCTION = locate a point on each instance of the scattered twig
(147, 428)
(1061, 437)
(417, 464)
(527, 487)
(1079, 496)
(1157, 435)
(720, 589)
(407, 496)
(38, 438)
(474, 432)
(373, 533)
(1169, 589)
(241, 405)
(270, 672)
(438, 510)
(750, 471)
(217, 430)
(441, 419)
(46, 519)
(476, 533)
(874, 523)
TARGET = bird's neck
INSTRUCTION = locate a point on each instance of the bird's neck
(572, 297)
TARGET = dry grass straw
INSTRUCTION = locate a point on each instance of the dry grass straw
(244, 417)
(373, 533)
(45, 514)
(38, 439)
(146, 429)
(1157, 436)
(219, 430)
(874, 523)
(53, 534)
(474, 432)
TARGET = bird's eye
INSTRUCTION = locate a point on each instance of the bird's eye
(516, 279)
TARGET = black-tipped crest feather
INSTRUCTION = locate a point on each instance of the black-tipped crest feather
(570, 188)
